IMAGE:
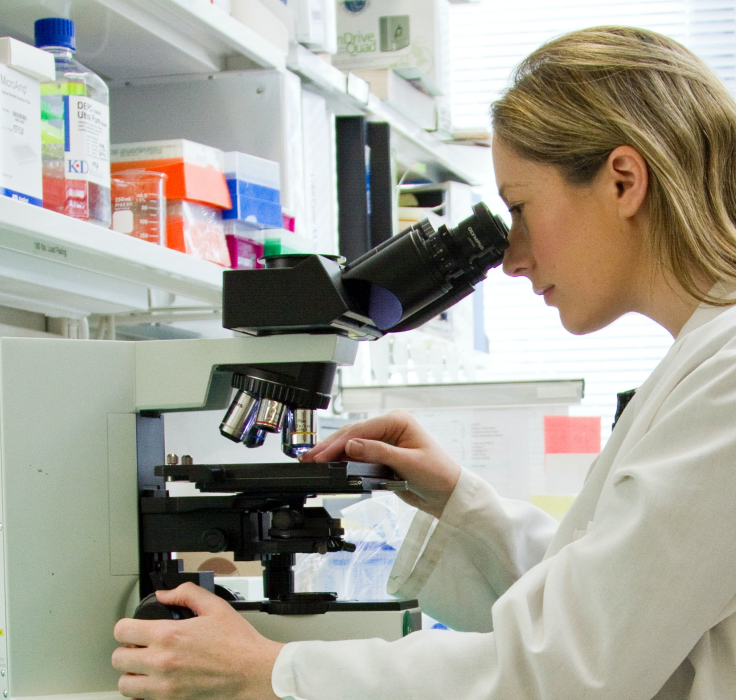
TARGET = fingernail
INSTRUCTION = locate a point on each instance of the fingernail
(355, 448)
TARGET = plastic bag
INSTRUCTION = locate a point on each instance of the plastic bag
(377, 526)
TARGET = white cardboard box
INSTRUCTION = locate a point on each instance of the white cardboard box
(21, 68)
(395, 34)
(314, 24)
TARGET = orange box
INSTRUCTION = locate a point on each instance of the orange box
(194, 171)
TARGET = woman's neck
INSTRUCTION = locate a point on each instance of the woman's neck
(668, 304)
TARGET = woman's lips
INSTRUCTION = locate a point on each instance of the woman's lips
(545, 292)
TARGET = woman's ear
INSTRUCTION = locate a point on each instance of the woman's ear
(627, 171)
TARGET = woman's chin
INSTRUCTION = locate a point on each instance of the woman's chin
(580, 323)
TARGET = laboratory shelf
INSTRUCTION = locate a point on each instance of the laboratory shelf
(412, 143)
(360, 399)
(131, 39)
(324, 77)
(122, 39)
(59, 266)
(415, 145)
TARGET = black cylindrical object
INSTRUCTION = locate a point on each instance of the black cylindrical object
(278, 576)
(423, 271)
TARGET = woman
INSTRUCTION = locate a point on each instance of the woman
(615, 150)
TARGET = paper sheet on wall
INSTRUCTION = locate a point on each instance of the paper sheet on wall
(504, 446)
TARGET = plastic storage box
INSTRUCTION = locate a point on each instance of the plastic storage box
(255, 190)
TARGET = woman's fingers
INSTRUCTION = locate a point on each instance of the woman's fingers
(403, 461)
(130, 659)
(398, 441)
(193, 597)
(134, 686)
(387, 428)
(333, 447)
(135, 632)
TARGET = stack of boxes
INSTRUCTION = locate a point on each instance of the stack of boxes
(256, 226)
(221, 207)
(196, 192)
(255, 192)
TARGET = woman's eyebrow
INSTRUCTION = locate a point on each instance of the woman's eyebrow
(502, 191)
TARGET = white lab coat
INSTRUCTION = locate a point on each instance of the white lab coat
(632, 597)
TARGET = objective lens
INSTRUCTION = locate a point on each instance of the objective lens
(298, 434)
(269, 416)
(238, 417)
(255, 437)
(416, 275)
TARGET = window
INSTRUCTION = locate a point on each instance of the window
(526, 338)
(489, 39)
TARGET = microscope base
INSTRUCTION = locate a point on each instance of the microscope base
(389, 620)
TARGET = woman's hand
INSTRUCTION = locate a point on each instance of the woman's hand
(214, 656)
(398, 441)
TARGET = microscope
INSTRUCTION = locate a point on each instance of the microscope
(397, 286)
(88, 531)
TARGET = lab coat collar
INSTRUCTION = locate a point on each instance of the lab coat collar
(707, 312)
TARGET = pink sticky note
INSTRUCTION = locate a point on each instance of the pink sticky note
(572, 434)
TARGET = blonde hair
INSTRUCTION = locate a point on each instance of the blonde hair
(578, 97)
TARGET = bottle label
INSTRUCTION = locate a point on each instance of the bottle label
(86, 140)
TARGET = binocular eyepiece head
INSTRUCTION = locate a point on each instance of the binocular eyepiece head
(399, 285)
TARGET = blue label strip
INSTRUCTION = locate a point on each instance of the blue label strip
(67, 137)
(21, 197)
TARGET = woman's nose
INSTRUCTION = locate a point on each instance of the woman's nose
(517, 259)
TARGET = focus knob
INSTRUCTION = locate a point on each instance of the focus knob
(150, 609)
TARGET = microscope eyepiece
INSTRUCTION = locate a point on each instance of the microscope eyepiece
(416, 275)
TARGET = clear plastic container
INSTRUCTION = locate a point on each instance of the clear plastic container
(75, 130)
(196, 229)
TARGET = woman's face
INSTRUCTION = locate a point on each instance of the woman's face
(578, 245)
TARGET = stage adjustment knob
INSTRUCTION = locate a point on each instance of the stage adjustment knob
(214, 541)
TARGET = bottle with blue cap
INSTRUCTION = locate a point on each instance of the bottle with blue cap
(75, 123)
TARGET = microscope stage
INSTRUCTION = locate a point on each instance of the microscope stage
(284, 478)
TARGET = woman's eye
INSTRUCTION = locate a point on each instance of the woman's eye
(515, 209)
